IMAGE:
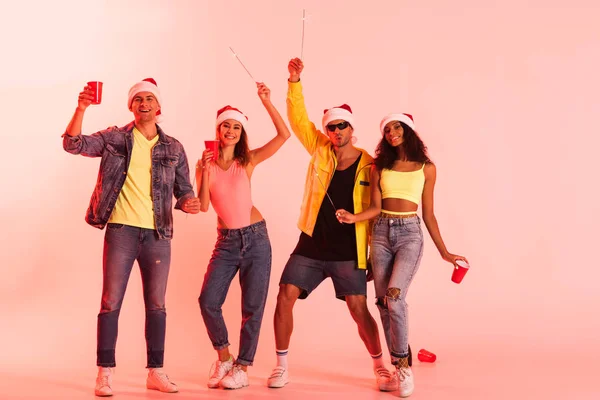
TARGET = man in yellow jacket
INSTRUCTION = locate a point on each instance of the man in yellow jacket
(338, 177)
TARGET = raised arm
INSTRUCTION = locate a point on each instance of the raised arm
(303, 128)
(374, 208)
(429, 216)
(261, 154)
(73, 141)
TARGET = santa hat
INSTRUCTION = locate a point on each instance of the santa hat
(147, 85)
(343, 112)
(229, 112)
(404, 118)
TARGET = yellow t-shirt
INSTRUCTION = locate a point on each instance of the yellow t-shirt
(134, 204)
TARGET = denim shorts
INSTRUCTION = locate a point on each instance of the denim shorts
(307, 273)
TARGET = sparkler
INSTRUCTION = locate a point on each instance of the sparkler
(238, 58)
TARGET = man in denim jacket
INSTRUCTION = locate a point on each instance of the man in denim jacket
(140, 171)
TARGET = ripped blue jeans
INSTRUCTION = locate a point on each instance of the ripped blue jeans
(396, 250)
(123, 245)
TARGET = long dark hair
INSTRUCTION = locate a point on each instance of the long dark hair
(241, 151)
(412, 145)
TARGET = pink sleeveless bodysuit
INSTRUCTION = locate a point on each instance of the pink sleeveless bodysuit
(230, 194)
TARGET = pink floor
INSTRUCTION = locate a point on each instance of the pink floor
(477, 372)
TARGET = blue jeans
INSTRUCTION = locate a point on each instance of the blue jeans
(248, 250)
(123, 245)
(396, 250)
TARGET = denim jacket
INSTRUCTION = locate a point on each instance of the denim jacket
(170, 173)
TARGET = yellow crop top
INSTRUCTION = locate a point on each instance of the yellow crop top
(402, 185)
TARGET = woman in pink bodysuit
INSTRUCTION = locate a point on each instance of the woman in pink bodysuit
(242, 244)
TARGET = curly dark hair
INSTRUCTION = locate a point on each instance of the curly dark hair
(241, 152)
(412, 145)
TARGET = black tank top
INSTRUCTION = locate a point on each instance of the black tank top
(331, 240)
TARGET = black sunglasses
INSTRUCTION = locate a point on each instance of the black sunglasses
(341, 126)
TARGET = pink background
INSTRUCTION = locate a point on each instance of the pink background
(504, 95)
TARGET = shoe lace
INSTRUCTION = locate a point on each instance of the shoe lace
(215, 369)
(403, 373)
(237, 369)
(163, 378)
(237, 373)
(103, 380)
(277, 372)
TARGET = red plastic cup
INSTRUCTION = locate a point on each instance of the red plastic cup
(212, 145)
(97, 88)
(459, 271)
(426, 356)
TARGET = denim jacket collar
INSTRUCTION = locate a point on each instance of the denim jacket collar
(162, 137)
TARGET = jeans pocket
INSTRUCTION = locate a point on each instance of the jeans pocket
(114, 227)
(222, 236)
(379, 230)
(413, 228)
(262, 233)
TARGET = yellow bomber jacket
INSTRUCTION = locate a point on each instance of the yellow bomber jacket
(324, 162)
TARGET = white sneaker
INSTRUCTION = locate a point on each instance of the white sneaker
(218, 371)
(279, 377)
(407, 381)
(104, 383)
(386, 381)
(237, 378)
(158, 380)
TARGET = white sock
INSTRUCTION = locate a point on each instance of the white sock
(282, 358)
(104, 371)
(377, 360)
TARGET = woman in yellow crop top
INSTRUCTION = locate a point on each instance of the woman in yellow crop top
(401, 178)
